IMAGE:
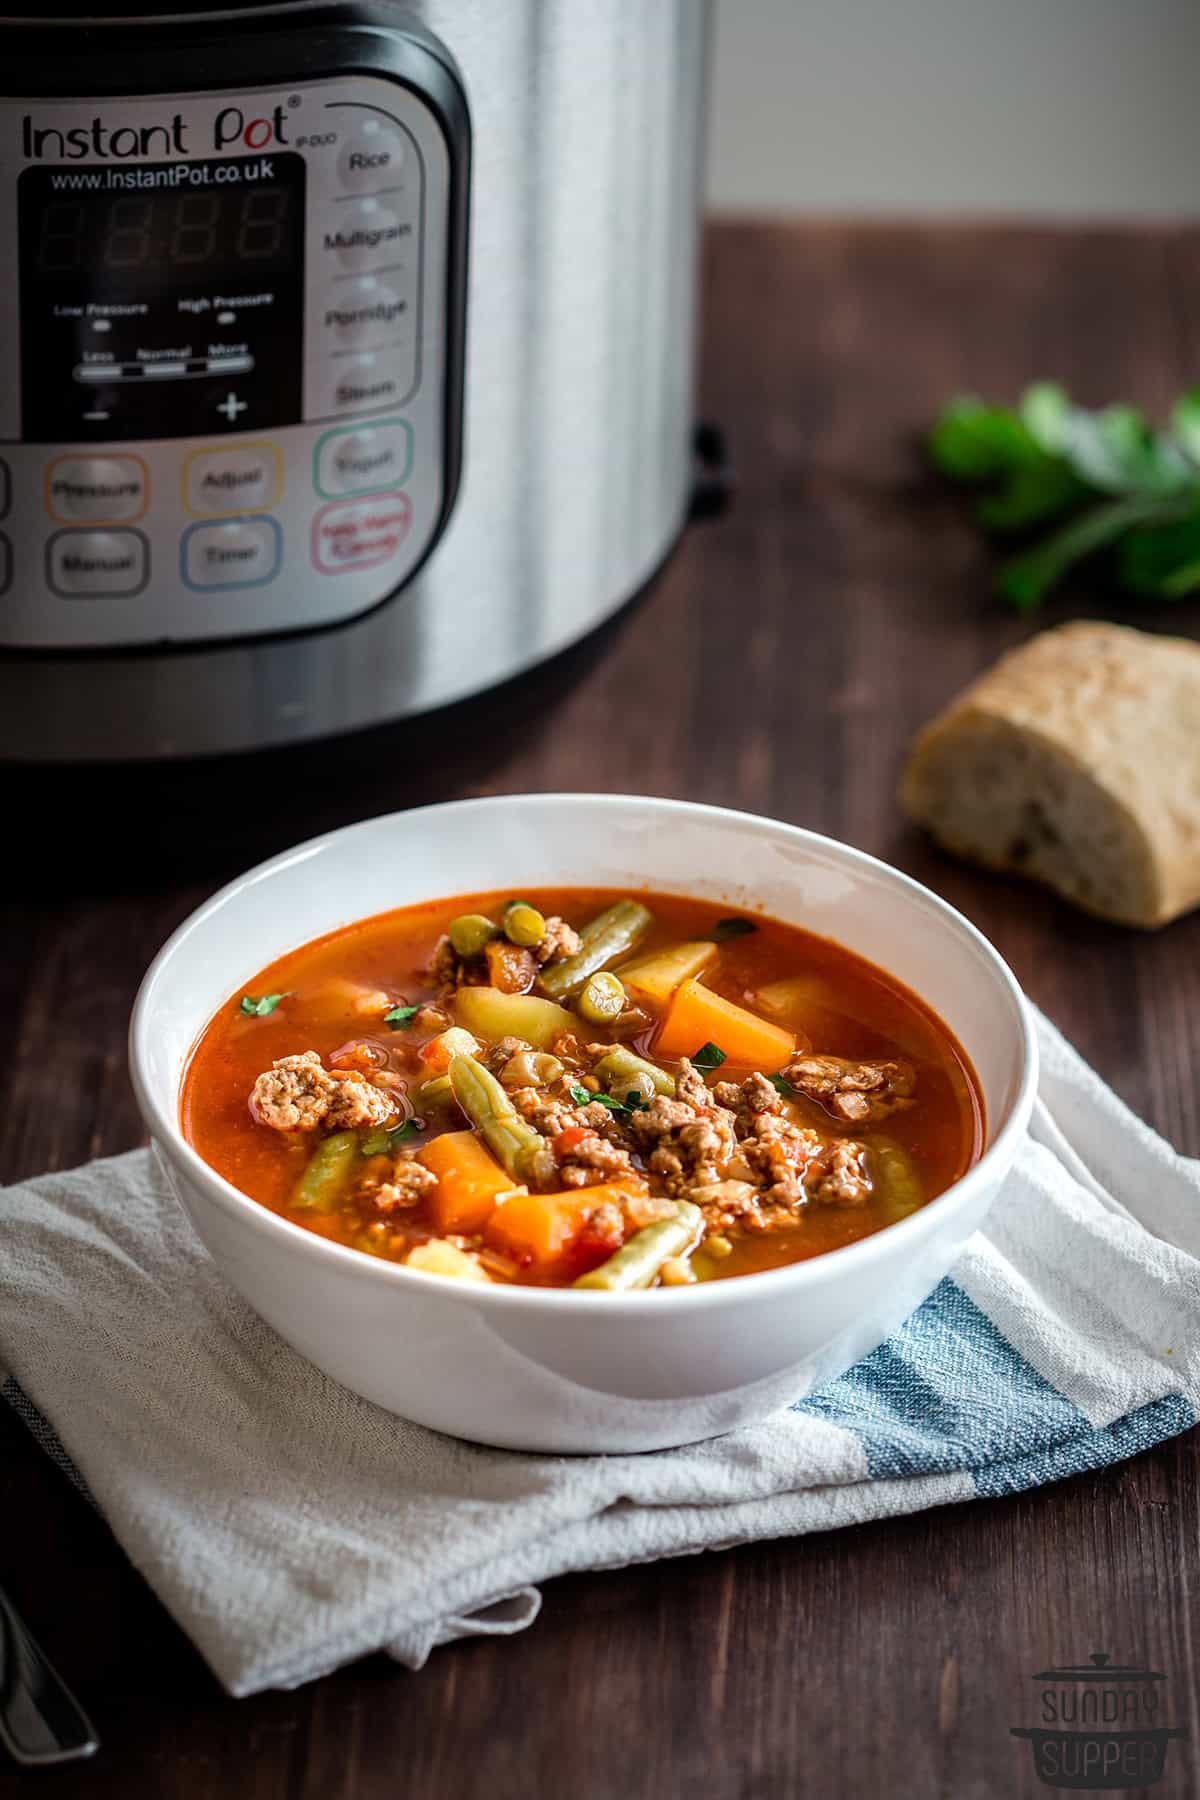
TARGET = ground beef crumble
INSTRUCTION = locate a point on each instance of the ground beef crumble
(297, 1094)
(732, 1148)
(594, 1159)
(502, 1051)
(856, 1092)
(407, 1185)
(688, 1140)
(559, 939)
(445, 965)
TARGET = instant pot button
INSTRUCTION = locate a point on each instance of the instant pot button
(106, 489)
(367, 234)
(363, 459)
(243, 553)
(242, 480)
(5, 489)
(370, 381)
(6, 564)
(359, 534)
(79, 563)
(366, 311)
(372, 157)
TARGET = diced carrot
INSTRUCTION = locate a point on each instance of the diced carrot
(543, 1229)
(697, 1016)
(470, 1181)
(563, 1142)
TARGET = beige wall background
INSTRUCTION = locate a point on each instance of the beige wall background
(943, 106)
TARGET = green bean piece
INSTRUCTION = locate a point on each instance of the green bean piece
(518, 1148)
(434, 1092)
(327, 1174)
(378, 1143)
(899, 1186)
(611, 933)
(523, 924)
(621, 1065)
(470, 933)
(636, 1263)
(601, 998)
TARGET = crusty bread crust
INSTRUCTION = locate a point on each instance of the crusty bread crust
(1076, 761)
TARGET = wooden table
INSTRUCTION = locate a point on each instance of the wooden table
(779, 665)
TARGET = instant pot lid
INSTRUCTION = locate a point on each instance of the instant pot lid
(1098, 1668)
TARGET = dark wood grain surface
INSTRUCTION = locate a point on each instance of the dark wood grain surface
(780, 665)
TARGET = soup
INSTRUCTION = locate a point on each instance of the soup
(582, 1088)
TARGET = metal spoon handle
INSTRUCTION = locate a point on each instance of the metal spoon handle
(40, 1719)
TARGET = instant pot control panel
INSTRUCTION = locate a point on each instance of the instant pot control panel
(228, 347)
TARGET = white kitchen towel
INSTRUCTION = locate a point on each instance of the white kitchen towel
(291, 1527)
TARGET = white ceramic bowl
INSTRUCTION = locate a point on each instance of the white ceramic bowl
(554, 1370)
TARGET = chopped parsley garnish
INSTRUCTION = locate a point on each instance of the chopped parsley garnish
(257, 1006)
(400, 1015)
(708, 1056)
(379, 1143)
(724, 929)
(632, 1102)
(780, 1085)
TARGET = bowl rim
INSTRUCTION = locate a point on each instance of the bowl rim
(165, 1129)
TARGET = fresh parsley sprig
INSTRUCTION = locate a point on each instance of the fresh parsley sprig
(632, 1102)
(259, 1006)
(400, 1015)
(1110, 483)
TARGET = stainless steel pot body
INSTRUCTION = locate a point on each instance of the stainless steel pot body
(586, 120)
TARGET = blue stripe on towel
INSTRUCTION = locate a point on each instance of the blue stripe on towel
(1089, 1448)
(948, 1393)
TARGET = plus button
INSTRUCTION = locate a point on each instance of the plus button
(231, 406)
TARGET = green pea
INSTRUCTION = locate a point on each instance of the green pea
(524, 924)
(601, 999)
(470, 932)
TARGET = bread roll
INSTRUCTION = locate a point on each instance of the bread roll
(1075, 761)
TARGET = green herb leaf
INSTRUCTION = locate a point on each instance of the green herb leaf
(1162, 559)
(1116, 451)
(724, 929)
(780, 1085)
(1036, 492)
(1027, 579)
(400, 1015)
(257, 1006)
(632, 1102)
(1185, 423)
(972, 441)
(381, 1143)
(1046, 416)
(1111, 481)
(708, 1056)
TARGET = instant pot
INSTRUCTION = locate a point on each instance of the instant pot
(345, 355)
